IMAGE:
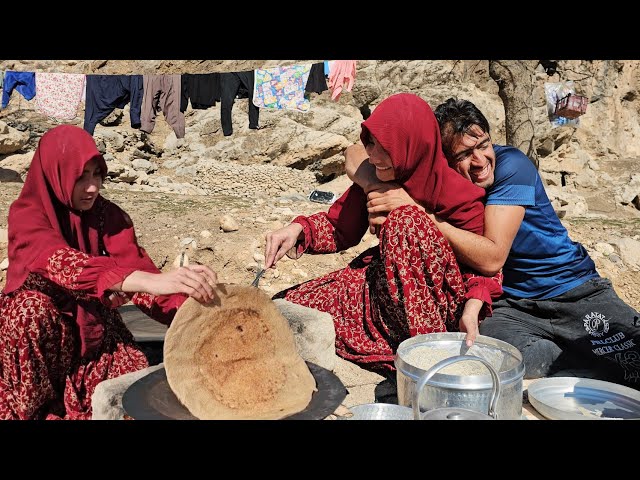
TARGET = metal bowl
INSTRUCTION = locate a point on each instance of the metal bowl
(380, 411)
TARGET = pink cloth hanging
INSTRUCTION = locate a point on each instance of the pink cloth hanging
(343, 72)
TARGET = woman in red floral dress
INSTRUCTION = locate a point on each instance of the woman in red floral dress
(73, 259)
(410, 283)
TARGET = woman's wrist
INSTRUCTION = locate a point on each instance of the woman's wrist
(298, 248)
(473, 306)
(137, 281)
(300, 236)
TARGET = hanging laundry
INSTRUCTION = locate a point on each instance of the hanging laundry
(243, 92)
(202, 89)
(328, 66)
(316, 81)
(58, 95)
(230, 85)
(108, 92)
(282, 88)
(23, 82)
(162, 94)
(341, 77)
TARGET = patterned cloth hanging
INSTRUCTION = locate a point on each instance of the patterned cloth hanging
(58, 95)
(282, 88)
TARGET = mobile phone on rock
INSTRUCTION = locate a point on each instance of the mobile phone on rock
(322, 197)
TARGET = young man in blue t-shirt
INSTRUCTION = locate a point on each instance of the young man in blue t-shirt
(556, 308)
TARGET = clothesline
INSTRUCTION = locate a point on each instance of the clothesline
(58, 95)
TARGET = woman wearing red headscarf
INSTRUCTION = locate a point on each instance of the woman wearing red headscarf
(73, 259)
(410, 283)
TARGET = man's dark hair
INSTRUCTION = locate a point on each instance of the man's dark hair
(457, 117)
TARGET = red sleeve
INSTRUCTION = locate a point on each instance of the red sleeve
(349, 217)
(86, 276)
(121, 243)
(342, 227)
(318, 233)
(161, 308)
(122, 246)
(82, 275)
(486, 289)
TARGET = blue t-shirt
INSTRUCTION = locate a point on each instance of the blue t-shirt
(543, 262)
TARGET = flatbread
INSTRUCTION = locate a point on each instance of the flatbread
(236, 358)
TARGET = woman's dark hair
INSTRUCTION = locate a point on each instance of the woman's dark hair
(457, 117)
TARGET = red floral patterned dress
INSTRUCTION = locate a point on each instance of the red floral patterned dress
(409, 284)
(42, 375)
(60, 331)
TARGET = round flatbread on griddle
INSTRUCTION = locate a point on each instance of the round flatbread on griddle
(236, 358)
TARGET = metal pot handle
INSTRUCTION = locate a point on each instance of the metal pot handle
(448, 361)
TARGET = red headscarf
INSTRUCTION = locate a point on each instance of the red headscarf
(42, 220)
(407, 129)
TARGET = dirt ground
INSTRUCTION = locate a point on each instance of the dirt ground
(165, 223)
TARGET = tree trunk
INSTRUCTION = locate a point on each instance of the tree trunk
(515, 79)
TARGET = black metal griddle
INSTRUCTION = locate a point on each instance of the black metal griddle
(151, 398)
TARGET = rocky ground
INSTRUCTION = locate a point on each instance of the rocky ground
(169, 224)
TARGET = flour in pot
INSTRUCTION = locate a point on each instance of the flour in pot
(424, 357)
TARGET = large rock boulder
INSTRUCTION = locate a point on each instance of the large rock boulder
(11, 140)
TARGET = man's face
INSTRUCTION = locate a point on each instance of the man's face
(472, 156)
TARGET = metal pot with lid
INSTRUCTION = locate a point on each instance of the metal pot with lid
(456, 413)
(388, 411)
(470, 387)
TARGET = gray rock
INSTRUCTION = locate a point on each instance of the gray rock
(173, 163)
(146, 166)
(615, 258)
(11, 139)
(106, 401)
(604, 248)
(313, 331)
(190, 171)
(629, 251)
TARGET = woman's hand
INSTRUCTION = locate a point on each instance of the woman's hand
(469, 320)
(388, 196)
(193, 280)
(382, 199)
(279, 242)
